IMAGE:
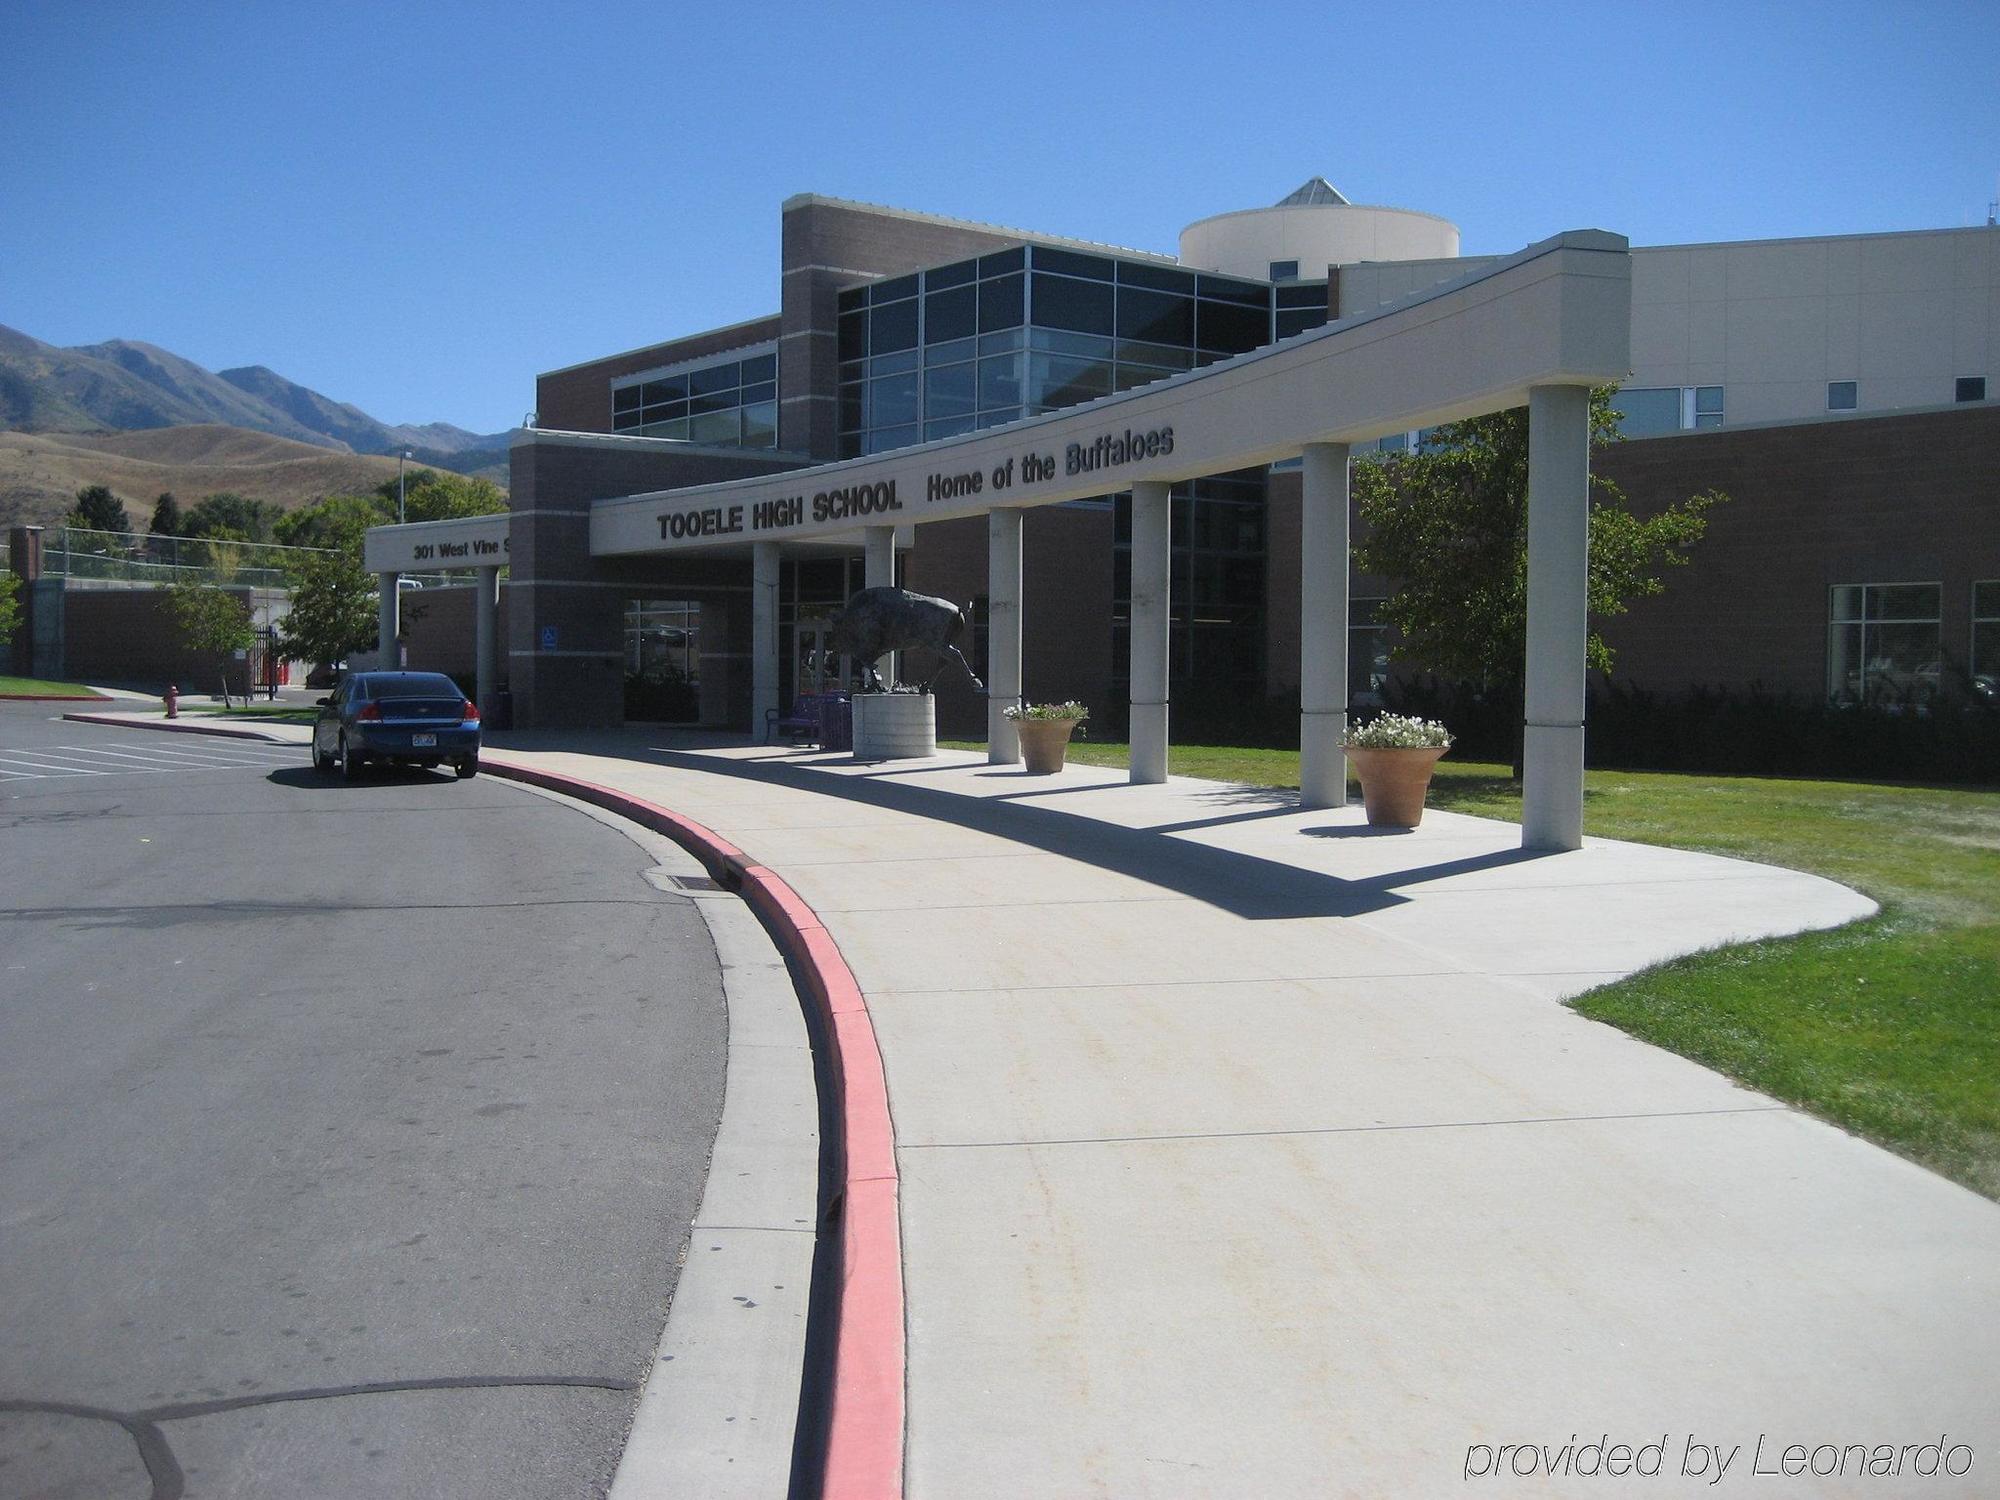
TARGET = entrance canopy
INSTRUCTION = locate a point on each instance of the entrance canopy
(1557, 313)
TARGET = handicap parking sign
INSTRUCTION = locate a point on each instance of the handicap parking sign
(548, 638)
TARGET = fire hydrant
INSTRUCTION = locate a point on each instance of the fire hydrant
(173, 700)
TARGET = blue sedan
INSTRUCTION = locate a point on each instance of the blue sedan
(399, 718)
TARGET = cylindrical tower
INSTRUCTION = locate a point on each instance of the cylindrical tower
(1315, 227)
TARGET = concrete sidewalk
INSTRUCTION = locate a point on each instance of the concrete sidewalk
(1244, 1152)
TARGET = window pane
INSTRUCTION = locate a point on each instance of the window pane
(854, 297)
(760, 425)
(1061, 380)
(893, 364)
(764, 391)
(1062, 303)
(952, 314)
(950, 391)
(948, 427)
(1284, 270)
(853, 335)
(882, 439)
(892, 327)
(1840, 395)
(1847, 602)
(1708, 398)
(1166, 356)
(1002, 261)
(1129, 376)
(714, 427)
(1155, 317)
(1000, 303)
(951, 353)
(1903, 601)
(1000, 382)
(1062, 341)
(1301, 294)
(1001, 342)
(1902, 663)
(720, 401)
(676, 429)
(1069, 263)
(624, 419)
(1230, 329)
(1986, 600)
(1159, 278)
(892, 401)
(852, 407)
(1970, 388)
(625, 399)
(1648, 413)
(1298, 320)
(1243, 293)
(957, 274)
(1843, 663)
(891, 291)
(715, 378)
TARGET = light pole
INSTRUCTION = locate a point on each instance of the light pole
(401, 458)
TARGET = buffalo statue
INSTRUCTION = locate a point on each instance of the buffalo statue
(878, 621)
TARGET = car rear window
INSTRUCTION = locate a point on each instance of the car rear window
(426, 685)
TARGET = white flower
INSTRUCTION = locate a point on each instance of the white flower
(1398, 732)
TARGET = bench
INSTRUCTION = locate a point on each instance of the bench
(811, 721)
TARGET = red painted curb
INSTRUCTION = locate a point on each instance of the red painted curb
(864, 1442)
(53, 698)
(180, 726)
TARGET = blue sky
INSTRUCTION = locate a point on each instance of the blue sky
(416, 207)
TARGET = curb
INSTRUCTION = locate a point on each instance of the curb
(864, 1424)
(178, 726)
(52, 698)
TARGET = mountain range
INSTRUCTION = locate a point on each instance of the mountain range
(124, 386)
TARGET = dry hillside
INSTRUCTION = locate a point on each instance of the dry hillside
(40, 473)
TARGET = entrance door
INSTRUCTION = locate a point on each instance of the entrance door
(807, 669)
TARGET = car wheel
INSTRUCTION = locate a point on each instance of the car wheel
(322, 763)
(467, 767)
(350, 761)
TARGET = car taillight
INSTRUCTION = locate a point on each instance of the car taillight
(371, 712)
(471, 712)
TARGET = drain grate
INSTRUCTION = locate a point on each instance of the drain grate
(697, 883)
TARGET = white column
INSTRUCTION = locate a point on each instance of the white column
(1323, 575)
(1558, 615)
(878, 571)
(1003, 635)
(386, 657)
(1152, 574)
(763, 634)
(486, 636)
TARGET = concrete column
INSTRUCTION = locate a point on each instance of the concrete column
(386, 657)
(1558, 615)
(1152, 585)
(878, 571)
(486, 635)
(1003, 635)
(763, 634)
(1323, 575)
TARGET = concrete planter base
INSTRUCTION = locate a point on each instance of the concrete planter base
(1393, 783)
(894, 726)
(1044, 743)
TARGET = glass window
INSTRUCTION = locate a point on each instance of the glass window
(720, 401)
(1970, 388)
(1000, 302)
(1230, 329)
(893, 364)
(1001, 342)
(951, 353)
(719, 427)
(621, 420)
(1227, 289)
(892, 327)
(946, 427)
(763, 367)
(853, 298)
(1298, 320)
(1708, 406)
(1061, 302)
(1284, 270)
(763, 391)
(1301, 294)
(1063, 380)
(1128, 376)
(1648, 413)
(760, 425)
(1367, 652)
(952, 314)
(853, 408)
(952, 275)
(950, 391)
(626, 398)
(1000, 382)
(676, 429)
(1155, 317)
(1069, 263)
(1986, 640)
(892, 291)
(853, 335)
(1159, 278)
(882, 439)
(1840, 395)
(1000, 262)
(892, 400)
(1062, 341)
(715, 378)
(1884, 643)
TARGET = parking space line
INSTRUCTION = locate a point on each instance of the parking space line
(197, 757)
(45, 767)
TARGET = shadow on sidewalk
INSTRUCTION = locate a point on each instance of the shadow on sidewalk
(1242, 884)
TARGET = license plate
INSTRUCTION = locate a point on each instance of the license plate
(423, 741)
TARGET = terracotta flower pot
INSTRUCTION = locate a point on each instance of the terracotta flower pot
(1043, 743)
(1393, 783)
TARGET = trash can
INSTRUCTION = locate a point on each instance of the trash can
(502, 716)
(836, 723)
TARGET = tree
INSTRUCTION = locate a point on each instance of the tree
(211, 622)
(10, 608)
(229, 516)
(332, 611)
(166, 516)
(337, 521)
(440, 495)
(97, 509)
(1449, 527)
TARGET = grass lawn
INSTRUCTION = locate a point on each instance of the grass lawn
(36, 687)
(1889, 1027)
(284, 713)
